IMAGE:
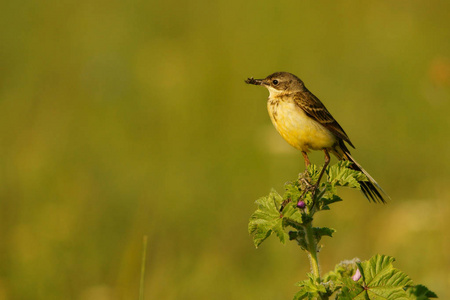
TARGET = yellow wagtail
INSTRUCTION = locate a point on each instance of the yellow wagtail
(305, 123)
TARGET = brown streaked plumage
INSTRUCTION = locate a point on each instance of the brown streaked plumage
(317, 111)
(305, 123)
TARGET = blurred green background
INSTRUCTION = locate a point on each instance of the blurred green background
(123, 119)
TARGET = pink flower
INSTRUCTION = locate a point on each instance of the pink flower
(357, 275)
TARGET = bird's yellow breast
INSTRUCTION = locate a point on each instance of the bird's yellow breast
(297, 128)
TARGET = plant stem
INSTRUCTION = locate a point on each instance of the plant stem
(312, 254)
(312, 250)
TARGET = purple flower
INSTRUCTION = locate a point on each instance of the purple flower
(301, 204)
(357, 275)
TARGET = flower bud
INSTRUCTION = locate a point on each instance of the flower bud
(357, 275)
(301, 204)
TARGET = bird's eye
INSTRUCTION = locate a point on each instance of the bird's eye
(275, 82)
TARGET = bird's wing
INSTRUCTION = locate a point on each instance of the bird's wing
(312, 106)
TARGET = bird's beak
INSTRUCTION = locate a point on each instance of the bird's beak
(251, 80)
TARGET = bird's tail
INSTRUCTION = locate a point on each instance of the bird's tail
(371, 189)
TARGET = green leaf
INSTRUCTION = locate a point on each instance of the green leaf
(380, 280)
(297, 224)
(313, 173)
(267, 219)
(310, 289)
(319, 232)
(292, 216)
(351, 291)
(293, 192)
(343, 273)
(420, 292)
(327, 200)
(300, 236)
(340, 175)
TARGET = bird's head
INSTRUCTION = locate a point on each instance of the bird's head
(279, 83)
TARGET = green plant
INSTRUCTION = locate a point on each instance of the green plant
(375, 278)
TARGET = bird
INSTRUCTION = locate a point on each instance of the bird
(306, 124)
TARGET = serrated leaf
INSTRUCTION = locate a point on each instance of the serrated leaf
(311, 285)
(267, 219)
(351, 291)
(380, 280)
(303, 294)
(311, 288)
(343, 269)
(319, 232)
(292, 215)
(327, 200)
(293, 223)
(313, 172)
(342, 273)
(420, 292)
(340, 175)
(292, 192)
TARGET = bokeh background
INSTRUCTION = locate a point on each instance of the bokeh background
(120, 119)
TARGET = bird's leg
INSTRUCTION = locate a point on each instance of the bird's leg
(316, 186)
(305, 156)
(327, 161)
